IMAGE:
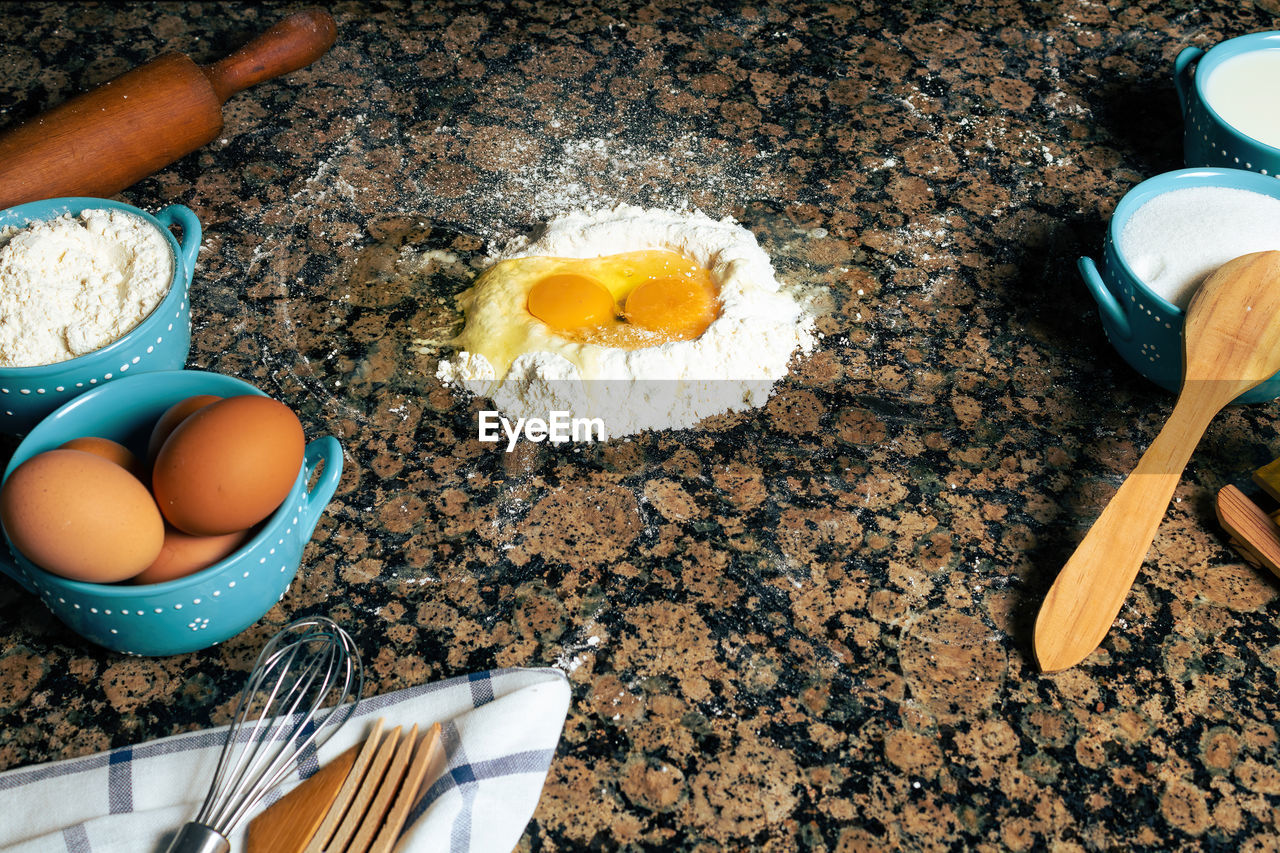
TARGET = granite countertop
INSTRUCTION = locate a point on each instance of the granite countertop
(805, 627)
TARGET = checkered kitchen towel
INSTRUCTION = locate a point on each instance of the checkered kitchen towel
(500, 731)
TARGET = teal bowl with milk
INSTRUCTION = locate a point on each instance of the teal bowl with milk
(1230, 99)
(1164, 238)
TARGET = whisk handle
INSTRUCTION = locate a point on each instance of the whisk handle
(198, 838)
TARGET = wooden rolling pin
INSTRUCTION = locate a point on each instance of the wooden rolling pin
(113, 136)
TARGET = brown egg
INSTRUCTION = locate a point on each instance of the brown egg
(183, 554)
(81, 516)
(107, 449)
(174, 415)
(228, 465)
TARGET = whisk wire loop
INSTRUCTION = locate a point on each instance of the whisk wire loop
(281, 716)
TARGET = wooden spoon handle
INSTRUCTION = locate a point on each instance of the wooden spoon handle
(1091, 588)
(295, 42)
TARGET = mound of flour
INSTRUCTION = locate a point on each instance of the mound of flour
(732, 366)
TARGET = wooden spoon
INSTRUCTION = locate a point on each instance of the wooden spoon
(1231, 343)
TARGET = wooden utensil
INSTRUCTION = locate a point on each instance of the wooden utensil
(358, 803)
(388, 763)
(1253, 532)
(1253, 529)
(375, 810)
(288, 824)
(111, 137)
(389, 806)
(428, 763)
(1268, 478)
(1231, 342)
(336, 808)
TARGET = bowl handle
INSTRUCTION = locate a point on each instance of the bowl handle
(328, 451)
(184, 218)
(1106, 300)
(1182, 70)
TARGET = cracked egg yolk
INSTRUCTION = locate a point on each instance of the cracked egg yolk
(631, 300)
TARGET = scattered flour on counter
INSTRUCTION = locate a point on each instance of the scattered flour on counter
(731, 367)
(69, 285)
(531, 177)
(1175, 240)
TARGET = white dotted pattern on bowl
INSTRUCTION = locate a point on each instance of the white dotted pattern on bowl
(5, 392)
(1141, 307)
(197, 622)
(1213, 142)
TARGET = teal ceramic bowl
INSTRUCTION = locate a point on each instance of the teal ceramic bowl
(1144, 327)
(1208, 140)
(161, 341)
(204, 608)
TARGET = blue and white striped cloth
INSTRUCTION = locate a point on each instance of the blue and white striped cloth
(500, 731)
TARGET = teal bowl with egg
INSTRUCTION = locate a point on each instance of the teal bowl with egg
(201, 609)
(161, 341)
(1209, 139)
(1143, 326)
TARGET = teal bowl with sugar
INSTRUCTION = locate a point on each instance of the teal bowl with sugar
(201, 609)
(161, 341)
(1143, 326)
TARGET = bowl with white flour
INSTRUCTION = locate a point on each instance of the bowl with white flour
(90, 290)
(1166, 236)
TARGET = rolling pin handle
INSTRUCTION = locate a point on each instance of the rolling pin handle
(295, 42)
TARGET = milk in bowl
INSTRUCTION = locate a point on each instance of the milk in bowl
(1230, 99)
(1245, 93)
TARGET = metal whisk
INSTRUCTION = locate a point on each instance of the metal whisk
(281, 713)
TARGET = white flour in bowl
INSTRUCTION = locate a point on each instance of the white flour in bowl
(71, 285)
(1174, 241)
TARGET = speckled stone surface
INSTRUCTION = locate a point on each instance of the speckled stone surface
(806, 627)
